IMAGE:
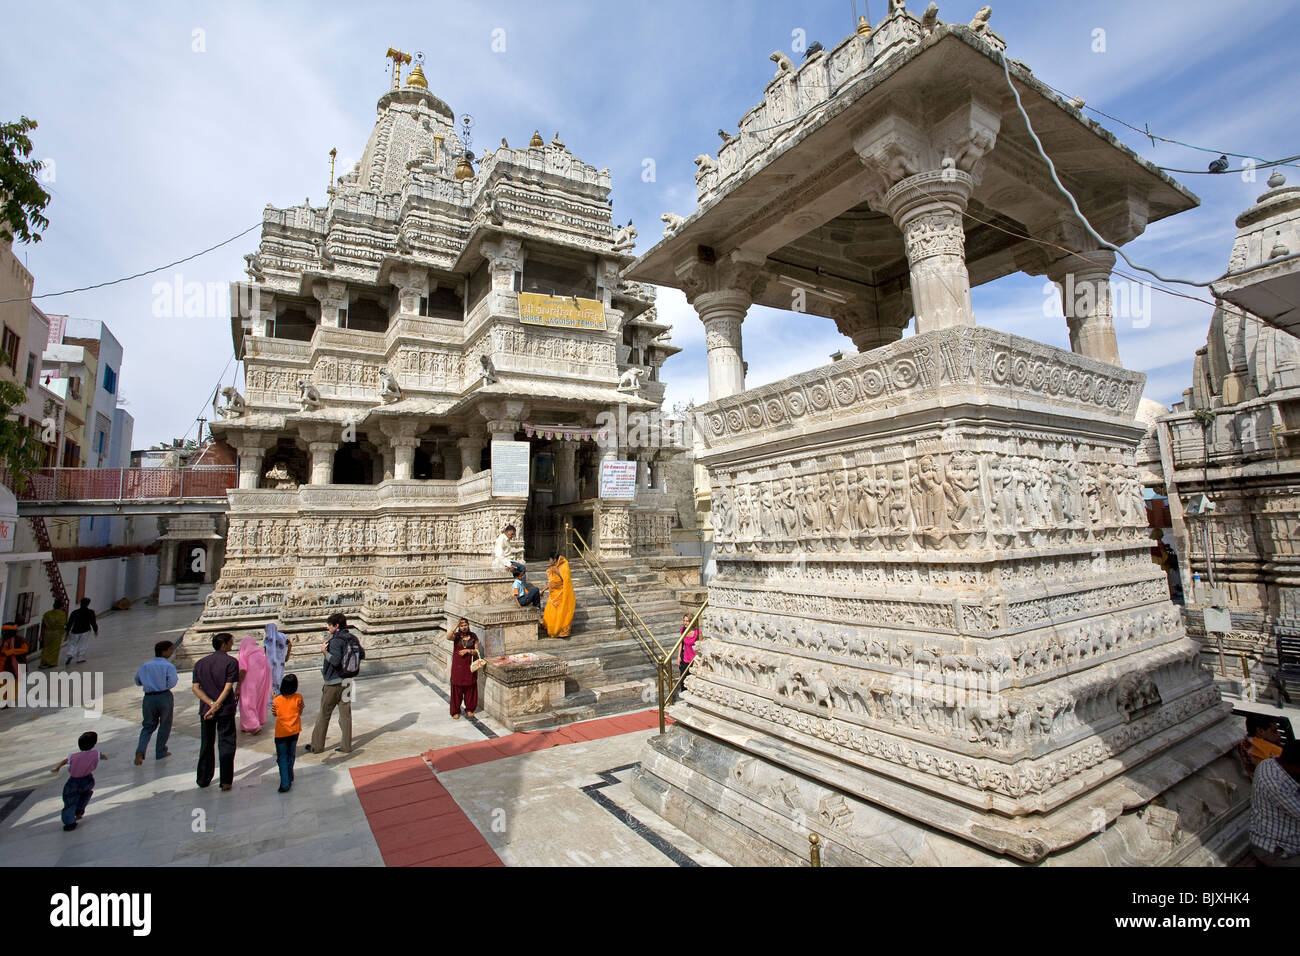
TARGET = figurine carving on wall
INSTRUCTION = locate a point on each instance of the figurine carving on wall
(234, 407)
(308, 396)
(389, 390)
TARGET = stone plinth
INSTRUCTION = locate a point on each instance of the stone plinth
(935, 615)
(679, 572)
(524, 687)
(483, 597)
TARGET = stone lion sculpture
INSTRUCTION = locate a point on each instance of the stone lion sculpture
(630, 381)
(308, 396)
(389, 390)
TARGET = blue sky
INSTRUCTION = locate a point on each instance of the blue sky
(160, 149)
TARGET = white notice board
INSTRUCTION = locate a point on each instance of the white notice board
(510, 468)
(618, 480)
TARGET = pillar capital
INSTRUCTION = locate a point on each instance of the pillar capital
(737, 275)
(902, 138)
(401, 429)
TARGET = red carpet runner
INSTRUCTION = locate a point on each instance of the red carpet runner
(416, 822)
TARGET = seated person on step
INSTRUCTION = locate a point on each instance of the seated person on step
(526, 594)
(501, 552)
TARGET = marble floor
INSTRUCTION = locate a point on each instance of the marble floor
(568, 805)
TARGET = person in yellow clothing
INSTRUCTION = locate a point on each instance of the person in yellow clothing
(558, 616)
(54, 624)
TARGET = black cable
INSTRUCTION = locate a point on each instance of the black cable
(100, 285)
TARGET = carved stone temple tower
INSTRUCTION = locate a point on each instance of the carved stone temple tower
(936, 635)
(391, 339)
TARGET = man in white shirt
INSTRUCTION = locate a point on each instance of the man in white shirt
(501, 553)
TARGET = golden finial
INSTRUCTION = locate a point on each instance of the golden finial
(416, 78)
(333, 153)
(463, 169)
(864, 28)
(398, 58)
(537, 139)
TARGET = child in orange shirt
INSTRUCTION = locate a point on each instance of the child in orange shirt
(287, 708)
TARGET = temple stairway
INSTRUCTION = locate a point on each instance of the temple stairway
(609, 671)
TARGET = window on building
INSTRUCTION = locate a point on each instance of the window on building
(31, 369)
(364, 314)
(110, 380)
(74, 387)
(553, 278)
(9, 346)
(443, 304)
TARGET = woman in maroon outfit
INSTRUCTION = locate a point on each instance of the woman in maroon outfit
(464, 682)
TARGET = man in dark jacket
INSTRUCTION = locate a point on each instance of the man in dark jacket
(215, 678)
(80, 623)
(335, 692)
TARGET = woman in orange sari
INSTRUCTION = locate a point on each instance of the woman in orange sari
(558, 616)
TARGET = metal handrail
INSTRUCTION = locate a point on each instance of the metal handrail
(594, 566)
(694, 623)
(666, 686)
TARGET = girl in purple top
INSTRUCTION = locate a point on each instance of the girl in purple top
(81, 778)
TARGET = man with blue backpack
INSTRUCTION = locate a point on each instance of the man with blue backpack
(343, 656)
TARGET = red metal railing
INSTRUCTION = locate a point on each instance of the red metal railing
(127, 484)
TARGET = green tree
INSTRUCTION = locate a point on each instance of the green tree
(21, 451)
(24, 199)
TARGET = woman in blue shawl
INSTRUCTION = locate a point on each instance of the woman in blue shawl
(277, 646)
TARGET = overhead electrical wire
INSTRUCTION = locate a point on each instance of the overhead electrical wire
(100, 285)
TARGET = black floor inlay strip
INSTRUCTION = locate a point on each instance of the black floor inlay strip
(483, 728)
(609, 778)
(11, 802)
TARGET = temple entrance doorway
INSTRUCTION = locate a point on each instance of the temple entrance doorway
(186, 555)
(540, 530)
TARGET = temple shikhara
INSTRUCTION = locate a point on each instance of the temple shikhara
(427, 358)
(936, 634)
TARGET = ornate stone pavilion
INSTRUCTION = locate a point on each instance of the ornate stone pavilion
(1234, 438)
(390, 338)
(936, 635)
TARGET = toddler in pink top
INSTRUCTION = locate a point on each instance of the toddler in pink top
(81, 778)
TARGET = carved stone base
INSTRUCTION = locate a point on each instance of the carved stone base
(743, 800)
(934, 596)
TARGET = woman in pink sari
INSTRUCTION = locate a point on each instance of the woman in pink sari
(254, 685)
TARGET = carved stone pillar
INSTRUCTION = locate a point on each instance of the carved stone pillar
(411, 285)
(642, 472)
(657, 473)
(722, 293)
(251, 449)
(566, 476)
(505, 257)
(1084, 282)
(471, 453)
(451, 460)
(874, 325)
(387, 452)
(504, 419)
(261, 310)
(722, 313)
(322, 461)
(401, 435)
(404, 455)
(928, 208)
(925, 165)
(167, 562)
(332, 295)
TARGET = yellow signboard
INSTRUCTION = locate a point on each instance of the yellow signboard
(561, 312)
